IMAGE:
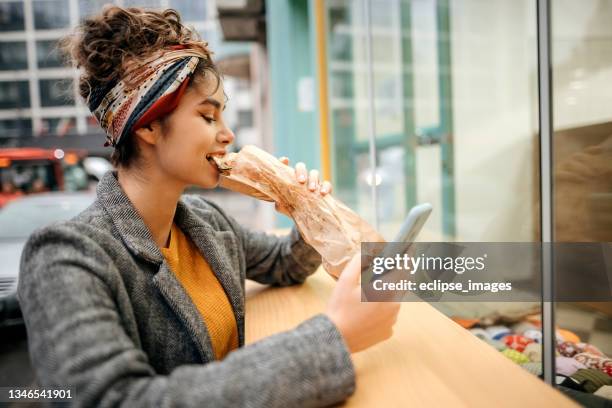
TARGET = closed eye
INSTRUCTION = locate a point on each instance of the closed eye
(208, 119)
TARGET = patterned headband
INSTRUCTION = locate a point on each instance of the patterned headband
(146, 91)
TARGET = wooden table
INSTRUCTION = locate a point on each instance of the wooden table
(429, 362)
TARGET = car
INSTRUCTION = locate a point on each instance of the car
(96, 167)
(28, 170)
(18, 219)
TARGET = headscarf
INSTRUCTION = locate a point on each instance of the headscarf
(148, 90)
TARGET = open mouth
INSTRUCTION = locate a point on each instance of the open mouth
(222, 164)
(211, 160)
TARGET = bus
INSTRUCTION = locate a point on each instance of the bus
(33, 170)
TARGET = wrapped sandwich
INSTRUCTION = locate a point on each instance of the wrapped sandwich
(330, 227)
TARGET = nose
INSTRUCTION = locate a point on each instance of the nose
(226, 136)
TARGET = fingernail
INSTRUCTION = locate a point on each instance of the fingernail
(312, 186)
(301, 178)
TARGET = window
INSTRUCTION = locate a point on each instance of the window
(31, 176)
(14, 95)
(56, 92)
(75, 177)
(89, 7)
(11, 16)
(342, 84)
(50, 14)
(190, 10)
(582, 157)
(245, 118)
(58, 126)
(341, 47)
(15, 127)
(155, 4)
(212, 37)
(48, 55)
(92, 125)
(13, 55)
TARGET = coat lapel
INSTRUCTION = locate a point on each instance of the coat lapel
(210, 242)
(215, 248)
(180, 302)
(126, 219)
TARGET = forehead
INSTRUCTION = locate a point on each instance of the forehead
(210, 87)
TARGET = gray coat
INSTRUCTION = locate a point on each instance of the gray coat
(106, 315)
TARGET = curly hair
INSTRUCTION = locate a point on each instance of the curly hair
(104, 45)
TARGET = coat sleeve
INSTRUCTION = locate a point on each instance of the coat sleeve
(77, 337)
(272, 259)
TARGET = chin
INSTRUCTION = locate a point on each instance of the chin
(209, 182)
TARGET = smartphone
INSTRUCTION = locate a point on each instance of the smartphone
(407, 234)
(413, 223)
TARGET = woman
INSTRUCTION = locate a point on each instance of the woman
(139, 300)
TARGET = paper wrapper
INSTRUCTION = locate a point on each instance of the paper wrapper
(330, 227)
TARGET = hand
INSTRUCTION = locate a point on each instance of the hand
(362, 324)
(309, 179)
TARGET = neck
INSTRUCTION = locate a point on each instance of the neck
(155, 197)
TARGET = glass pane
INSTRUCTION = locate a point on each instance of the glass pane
(13, 55)
(56, 92)
(92, 125)
(48, 55)
(75, 177)
(245, 118)
(582, 166)
(15, 127)
(213, 37)
(14, 95)
(142, 3)
(425, 62)
(456, 117)
(58, 126)
(348, 107)
(190, 10)
(11, 16)
(89, 7)
(49, 14)
(27, 176)
(440, 93)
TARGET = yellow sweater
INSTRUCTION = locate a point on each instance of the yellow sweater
(205, 291)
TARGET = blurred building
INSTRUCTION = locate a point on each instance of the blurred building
(39, 104)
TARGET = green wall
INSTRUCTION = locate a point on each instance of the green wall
(290, 52)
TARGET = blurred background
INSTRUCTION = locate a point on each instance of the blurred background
(398, 102)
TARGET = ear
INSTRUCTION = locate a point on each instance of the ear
(150, 133)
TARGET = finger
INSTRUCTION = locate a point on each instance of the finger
(326, 187)
(313, 180)
(301, 173)
(284, 160)
(352, 271)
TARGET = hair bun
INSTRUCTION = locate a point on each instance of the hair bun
(102, 44)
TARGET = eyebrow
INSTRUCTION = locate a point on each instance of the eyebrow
(213, 102)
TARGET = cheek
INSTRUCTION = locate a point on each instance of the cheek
(175, 150)
(183, 150)
(183, 154)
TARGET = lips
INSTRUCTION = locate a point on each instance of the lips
(211, 157)
(223, 163)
